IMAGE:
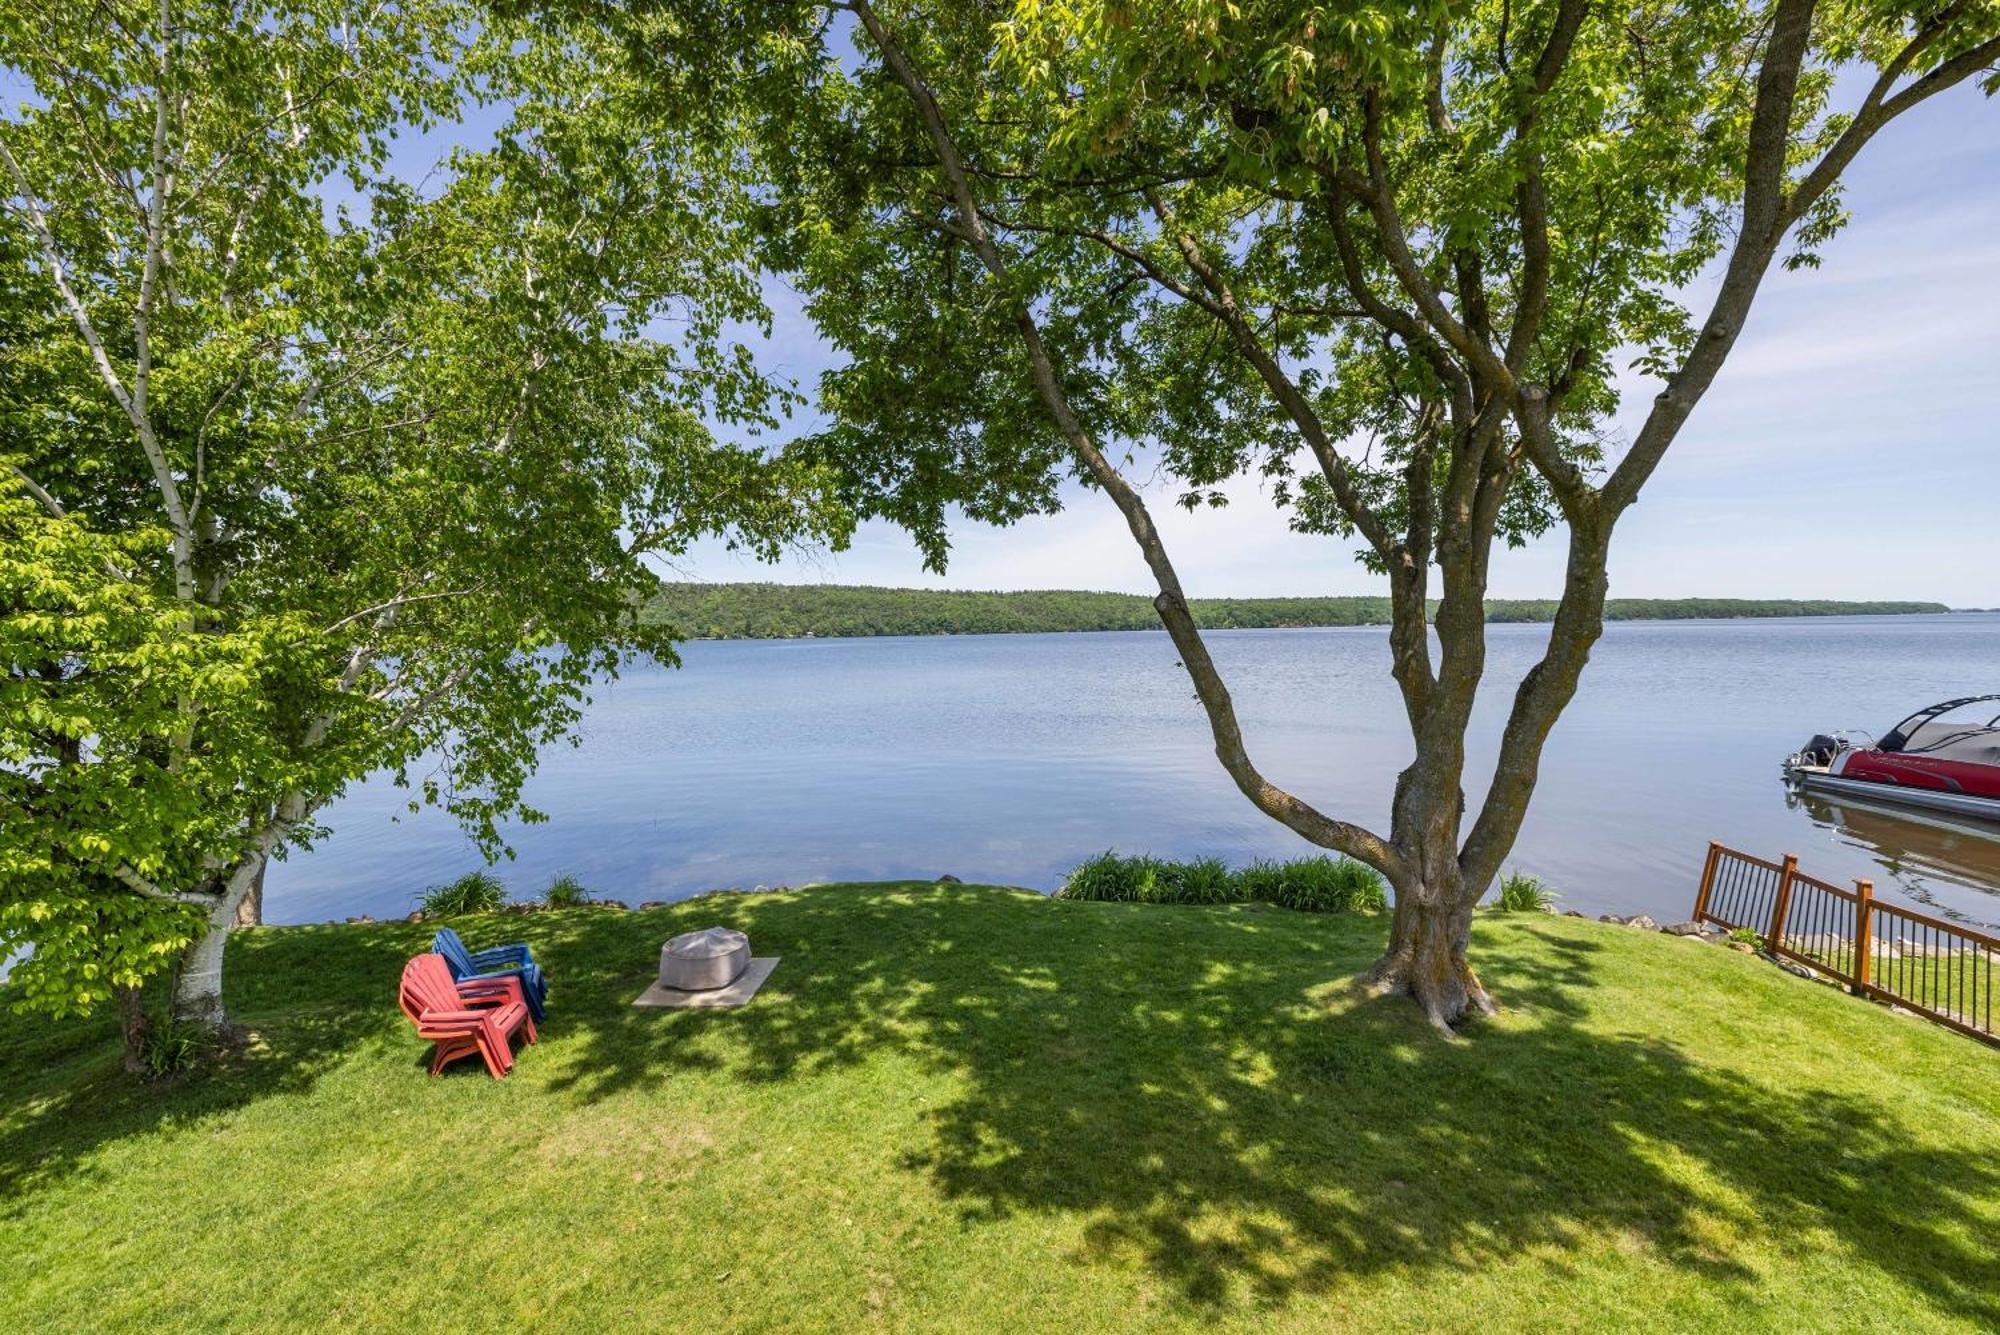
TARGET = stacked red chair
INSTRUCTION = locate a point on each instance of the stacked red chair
(463, 1018)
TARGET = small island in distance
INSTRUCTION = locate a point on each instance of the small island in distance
(761, 611)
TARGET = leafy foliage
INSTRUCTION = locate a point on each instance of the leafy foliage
(309, 471)
(1395, 262)
(784, 611)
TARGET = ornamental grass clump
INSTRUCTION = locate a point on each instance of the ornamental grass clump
(1319, 884)
(1113, 878)
(474, 892)
(1106, 878)
(1201, 881)
(172, 1047)
(1312, 885)
(1521, 893)
(565, 892)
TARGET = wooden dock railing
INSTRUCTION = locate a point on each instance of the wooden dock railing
(1939, 969)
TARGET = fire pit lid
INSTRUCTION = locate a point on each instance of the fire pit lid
(707, 943)
(700, 961)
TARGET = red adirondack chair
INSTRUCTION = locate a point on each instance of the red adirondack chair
(464, 1018)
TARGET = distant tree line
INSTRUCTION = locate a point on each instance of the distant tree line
(789, 611)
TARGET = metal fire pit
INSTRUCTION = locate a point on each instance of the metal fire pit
(705, 960)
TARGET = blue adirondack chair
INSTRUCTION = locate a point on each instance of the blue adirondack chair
(513, 961)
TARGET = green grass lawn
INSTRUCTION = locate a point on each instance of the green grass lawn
(972, 1108)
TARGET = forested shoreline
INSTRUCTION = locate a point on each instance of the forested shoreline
(759, 611)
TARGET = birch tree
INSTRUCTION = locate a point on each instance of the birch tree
(1402, 261)
(310, 470)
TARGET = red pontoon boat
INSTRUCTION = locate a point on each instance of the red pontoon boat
(1927, 760)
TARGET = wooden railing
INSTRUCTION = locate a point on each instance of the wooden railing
(1939, 969)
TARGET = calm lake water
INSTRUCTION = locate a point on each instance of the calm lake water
(1009, 758)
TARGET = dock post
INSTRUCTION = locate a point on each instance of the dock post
(1707, 880)
(1774, 940)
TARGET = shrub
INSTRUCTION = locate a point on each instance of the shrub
(1314, 884)
(474, 892)
(565, 892)
(1520, 893)
(1747, 936)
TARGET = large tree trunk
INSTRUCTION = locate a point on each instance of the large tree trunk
(1426, 956)
(134, 1028)
(250, 913)
(198, 988)
(1432, 923)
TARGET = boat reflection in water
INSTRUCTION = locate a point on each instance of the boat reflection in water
(1912, 846)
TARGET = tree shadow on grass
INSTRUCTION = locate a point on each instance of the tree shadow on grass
(65, 1096)
(1192, 1084)
(1200, 1087)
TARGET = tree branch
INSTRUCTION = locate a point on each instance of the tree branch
(1544, 692)
(1145, 263)
(1225, 308)
(1756, 241)
(156, 207)
(1531, 198)
(156, 457)
(1532, 414)
(35, 489)
(1396, 249)
(1397, 321)
(1171, 604)
(1878, 108)
(133, 881)
(401, 600)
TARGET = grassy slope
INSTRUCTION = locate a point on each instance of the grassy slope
(974, 1108)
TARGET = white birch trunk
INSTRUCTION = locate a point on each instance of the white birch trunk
(198, 988)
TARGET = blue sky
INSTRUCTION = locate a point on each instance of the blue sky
(1848, 450)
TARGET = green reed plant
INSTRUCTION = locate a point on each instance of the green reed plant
(1317, 884)
(565, 892)
(1326, 884)
(474, 892)
(1521, 893)
(172, 1047)
(1200, 881)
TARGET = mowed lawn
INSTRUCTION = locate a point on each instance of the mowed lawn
(962, 1107)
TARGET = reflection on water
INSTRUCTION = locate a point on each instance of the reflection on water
(1914, 849)
(1010, 758)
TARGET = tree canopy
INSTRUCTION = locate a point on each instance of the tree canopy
(1403, 261)
(781, 611)
(311, 469)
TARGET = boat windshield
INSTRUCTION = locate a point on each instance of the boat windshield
(1929, 731)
